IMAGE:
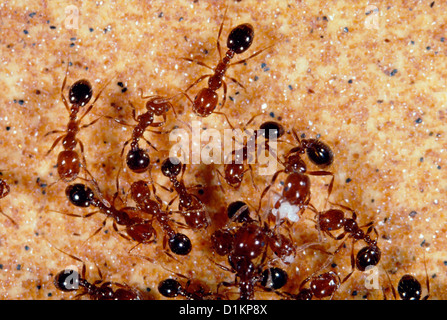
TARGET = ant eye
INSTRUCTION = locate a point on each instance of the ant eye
(79, 195)
(80, 93)
(274, 278)
(67, 280)
(320, 154)
(240, 38)
(138, 160)
(409, 288)
(234, 207)
(171, 167)
(180, 244)
(169, 288)
(271, 130)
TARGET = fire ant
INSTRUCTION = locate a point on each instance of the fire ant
(68, 161)
(321, 286)
(409, 288)
(137, 159)
(192, 207)
(179, 243)
(171, 288)
(334, 219)
(249, 275)
(4, 191)
(250, 239)
(296, 190)
(234, 170)
(70, 280)
(137, 229)
(239, 40)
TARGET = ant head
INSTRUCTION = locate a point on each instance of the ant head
(274, 278)
(140, 191)
(294, 163)
(169, 288)
(158, 106)
(409, 288)
(80, 93)
(222, 242)
(180, 244)
(319, 153)
(272, 130)
(79, 194)
(242, 265)
(240, 38)
(138, 160)
(67, 280)
(171, 167)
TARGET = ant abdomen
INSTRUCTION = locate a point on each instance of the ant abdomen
(80, 93)
(67, 280)
(138, 160)
(68, 165)
(241, 38)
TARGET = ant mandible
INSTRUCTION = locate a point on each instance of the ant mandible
(68, 161)
(4, 191)
(239, 40)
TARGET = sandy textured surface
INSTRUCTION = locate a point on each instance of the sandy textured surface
(369, 80)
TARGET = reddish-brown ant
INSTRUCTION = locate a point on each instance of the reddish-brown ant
(239, 40)
(192, 207)
(137, 228)
(250, 239)
(70, 280)
(409, 288)
(192, 290)
(296, 190)
(320, 286)
(68, 161)
(4, 191)
(137, 159)
(333, 219)
(179, 243)
(236, 168)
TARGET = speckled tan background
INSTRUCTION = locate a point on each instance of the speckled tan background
(369, 78)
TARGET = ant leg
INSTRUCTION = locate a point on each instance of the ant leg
(252, 56)
(91, 123)
(96, 232)
(97, 97)
(226, 118)
(11, 219)
(224, 99)
(331, 184)
(200, 63)
(352, 262)
(64, 100)
(197, 81)
(275, 176)
(252, 177)
(53, 132)
(220, 174)
(54, 144)
(220, 32)
(150, 144)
